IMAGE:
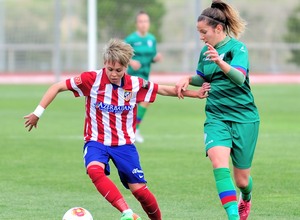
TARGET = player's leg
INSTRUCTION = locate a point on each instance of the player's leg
(126, 159)
(218, 142)
(219, 156)
(244, 144)
(244, 183)
(147, 200)
(96, 161)
(142, 108)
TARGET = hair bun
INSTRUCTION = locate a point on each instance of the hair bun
(213, 4)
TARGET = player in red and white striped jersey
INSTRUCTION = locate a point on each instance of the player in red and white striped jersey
(111, 106)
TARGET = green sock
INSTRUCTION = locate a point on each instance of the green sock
(140, 115)
(232, 212)
(246, 192)
(227, 192)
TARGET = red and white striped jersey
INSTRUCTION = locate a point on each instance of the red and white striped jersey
(111, 110)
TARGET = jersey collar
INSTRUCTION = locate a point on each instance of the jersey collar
(223, 42)
(106, 80)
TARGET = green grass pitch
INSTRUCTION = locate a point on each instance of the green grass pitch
(42, 171)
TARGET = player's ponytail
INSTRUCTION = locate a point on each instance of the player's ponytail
(223, 14)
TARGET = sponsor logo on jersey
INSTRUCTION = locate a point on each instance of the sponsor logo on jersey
(113, 108)
(138, 43)
(207, 58)
(127, 95)
(77, 80)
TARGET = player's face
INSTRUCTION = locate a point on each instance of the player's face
(143, 23)
(208, 34)
(114, 72)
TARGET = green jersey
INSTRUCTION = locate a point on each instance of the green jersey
(144, 52)
(227, 101)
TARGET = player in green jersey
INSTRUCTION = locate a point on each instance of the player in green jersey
(232, 119)
(144, 45)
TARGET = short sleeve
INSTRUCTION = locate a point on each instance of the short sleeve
(240, 59)
(82, 84)
(148, 91)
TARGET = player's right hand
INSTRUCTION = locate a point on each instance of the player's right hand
(182, 85)
(31, 121)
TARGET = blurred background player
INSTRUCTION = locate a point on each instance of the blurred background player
(232, 120)
(109, 134)
(144, 45)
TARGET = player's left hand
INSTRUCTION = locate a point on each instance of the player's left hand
(31, 121)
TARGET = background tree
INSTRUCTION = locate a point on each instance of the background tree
(117, 18)
(293, 34)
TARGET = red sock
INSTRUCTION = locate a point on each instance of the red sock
(148, 202)
(107, 188)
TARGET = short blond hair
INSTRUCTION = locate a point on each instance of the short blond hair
(117, 50)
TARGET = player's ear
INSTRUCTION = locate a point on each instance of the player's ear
(219, 28)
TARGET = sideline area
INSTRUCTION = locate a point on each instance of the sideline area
(155, 77)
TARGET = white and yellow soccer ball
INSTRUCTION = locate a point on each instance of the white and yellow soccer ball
(77, 213)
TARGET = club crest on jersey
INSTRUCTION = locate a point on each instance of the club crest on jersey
(150, 43)
(127, 95)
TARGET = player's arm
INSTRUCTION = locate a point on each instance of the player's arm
(232, 73)
(135, 64)
(184, 82)
(158, 57)
(172, 91)
(49, 96)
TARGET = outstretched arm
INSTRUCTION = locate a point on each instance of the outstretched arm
(171, 91)
(184, 82)
(49, 96)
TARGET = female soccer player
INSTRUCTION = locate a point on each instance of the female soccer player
(232, 123)
(144, 45)
(109, 132)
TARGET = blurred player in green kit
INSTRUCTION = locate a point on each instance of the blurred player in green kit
(144, 45)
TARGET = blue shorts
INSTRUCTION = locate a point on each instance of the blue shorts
(125, 158)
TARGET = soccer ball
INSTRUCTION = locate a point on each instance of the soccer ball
(77, 213)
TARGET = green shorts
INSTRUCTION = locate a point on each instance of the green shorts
(240, 137)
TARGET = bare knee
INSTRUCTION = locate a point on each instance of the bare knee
(219, 156)
(242, 183)
(241, 177)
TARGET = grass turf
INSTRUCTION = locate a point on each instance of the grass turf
(42, 172)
